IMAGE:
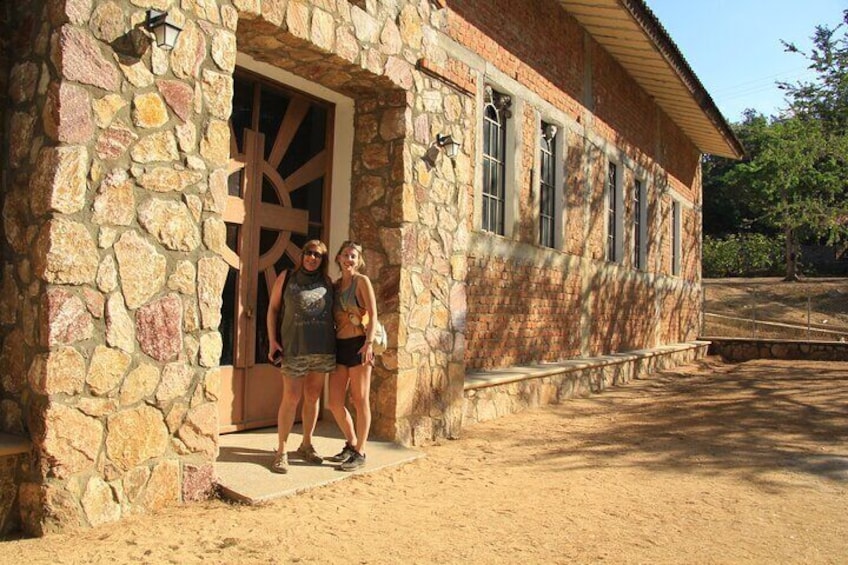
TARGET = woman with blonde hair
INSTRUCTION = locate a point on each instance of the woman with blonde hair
(355, 312)
(306, 348)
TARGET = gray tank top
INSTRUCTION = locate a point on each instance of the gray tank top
(307, 326)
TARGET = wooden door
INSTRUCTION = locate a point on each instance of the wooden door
(278, 199)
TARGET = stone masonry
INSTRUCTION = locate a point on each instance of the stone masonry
(117, 151)
(409, 218)
(116, 179)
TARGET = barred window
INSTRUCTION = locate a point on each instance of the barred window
(494, 177)
(547, 185)
(675, 237)
(612, 212)
(639, 250)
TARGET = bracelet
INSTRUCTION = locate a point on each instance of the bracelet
(369, 341)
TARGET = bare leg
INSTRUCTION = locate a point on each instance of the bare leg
(312, 386)
(336, 403)
(360, 392)
(292, 391)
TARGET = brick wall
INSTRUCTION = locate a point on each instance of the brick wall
(521, 311)
(600, 307)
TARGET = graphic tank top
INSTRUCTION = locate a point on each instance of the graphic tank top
(307, 325)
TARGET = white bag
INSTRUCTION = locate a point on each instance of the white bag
(381, 339)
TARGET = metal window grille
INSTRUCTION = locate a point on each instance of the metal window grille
(638, 255)
(547, 184)
(612, 212)
(494, 177)
(675, 237)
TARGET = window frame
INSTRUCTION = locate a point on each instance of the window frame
(640, 223)
(549, 185)
(614, 207)
(676, 227)
(493, 221)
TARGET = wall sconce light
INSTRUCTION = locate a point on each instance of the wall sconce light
(163, 27)
(445, 143)
(549, 132)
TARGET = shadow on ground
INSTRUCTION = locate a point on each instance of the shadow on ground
(754, 419)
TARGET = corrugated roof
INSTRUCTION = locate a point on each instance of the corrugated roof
(631, 33)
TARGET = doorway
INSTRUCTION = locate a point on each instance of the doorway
(278, 198)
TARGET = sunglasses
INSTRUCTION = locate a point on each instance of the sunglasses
(314, 254)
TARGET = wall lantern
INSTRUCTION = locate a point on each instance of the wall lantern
(450, 146)
(444, 142)
(163, 27)
(549, 132)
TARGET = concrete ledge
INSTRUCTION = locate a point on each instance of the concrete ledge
(496, 377)
(495, 393)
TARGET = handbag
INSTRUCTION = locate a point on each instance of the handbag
(381, 339)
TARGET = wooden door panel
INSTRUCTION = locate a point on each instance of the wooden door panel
(269, 229)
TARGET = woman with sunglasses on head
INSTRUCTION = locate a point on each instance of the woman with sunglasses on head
(306, 347)
(355, 311)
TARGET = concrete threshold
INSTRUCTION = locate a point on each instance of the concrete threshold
(243, 463)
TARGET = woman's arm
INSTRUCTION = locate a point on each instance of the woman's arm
(274, 305)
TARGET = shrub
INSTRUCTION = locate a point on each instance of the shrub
(743, 255)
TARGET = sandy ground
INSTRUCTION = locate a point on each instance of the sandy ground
(714, 463)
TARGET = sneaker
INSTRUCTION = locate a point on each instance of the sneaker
(342, 455)
(308, 454)
(354, 462)
(280, 463)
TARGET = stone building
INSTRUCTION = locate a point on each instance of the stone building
(152, 194)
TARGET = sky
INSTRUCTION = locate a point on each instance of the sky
(734, 47)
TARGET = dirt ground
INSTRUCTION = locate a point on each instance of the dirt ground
(823, 301)
(713, 463)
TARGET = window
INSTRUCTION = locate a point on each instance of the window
(547, 185)
(613, 213)
(675, 237)
(639, 213)
(495, 114)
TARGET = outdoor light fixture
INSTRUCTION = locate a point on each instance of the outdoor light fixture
(549, 132)
(445, 143)
(163, 27)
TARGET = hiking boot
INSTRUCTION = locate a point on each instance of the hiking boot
(342, 455)
(280, 463)
(308, 454)
(354, 462)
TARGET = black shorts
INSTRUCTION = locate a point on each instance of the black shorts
(347, 351)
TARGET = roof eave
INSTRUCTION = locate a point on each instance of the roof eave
(681, 95)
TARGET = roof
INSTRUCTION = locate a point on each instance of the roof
(633, 35)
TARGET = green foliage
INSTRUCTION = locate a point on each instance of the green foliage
(794, 179)
(742, 255)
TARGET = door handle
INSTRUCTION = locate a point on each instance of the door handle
(249, 312)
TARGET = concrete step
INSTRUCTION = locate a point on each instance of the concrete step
(242, 466)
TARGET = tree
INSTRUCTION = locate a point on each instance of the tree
(826, 97)
(795, 176)
(819, 110)
(727, 204)
(797, 183)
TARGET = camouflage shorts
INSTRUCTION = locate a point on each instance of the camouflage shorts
(297, 367)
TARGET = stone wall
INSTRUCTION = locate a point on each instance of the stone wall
(745, 349)
(407, 215)
(111, 288)
(499, 393)
(117, 179)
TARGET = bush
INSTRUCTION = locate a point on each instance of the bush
(743, 255)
